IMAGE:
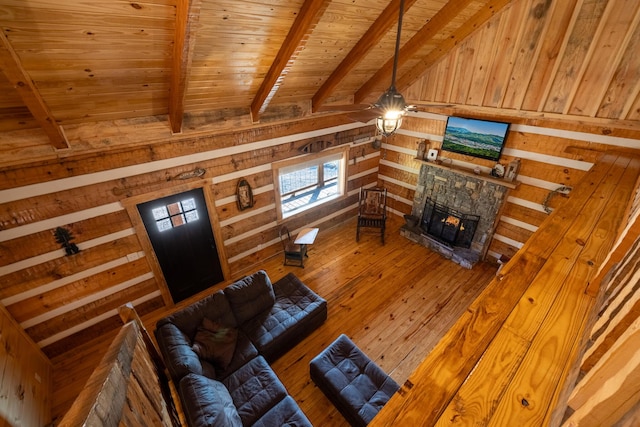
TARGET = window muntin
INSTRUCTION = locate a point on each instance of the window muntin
(175, 214)
(310, 182)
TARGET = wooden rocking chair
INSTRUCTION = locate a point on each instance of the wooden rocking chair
(372, 210)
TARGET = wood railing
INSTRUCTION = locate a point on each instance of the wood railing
(129, 386)
(513, 358)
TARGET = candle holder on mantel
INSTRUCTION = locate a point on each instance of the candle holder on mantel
(423, 149)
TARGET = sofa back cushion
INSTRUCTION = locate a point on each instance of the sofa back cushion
(250, 296)
(215, 307)
(207, 402)
(215, 343)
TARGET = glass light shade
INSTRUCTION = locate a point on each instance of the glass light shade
(392, 105)
(389, 123)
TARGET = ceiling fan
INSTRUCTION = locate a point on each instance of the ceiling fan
(390, 107)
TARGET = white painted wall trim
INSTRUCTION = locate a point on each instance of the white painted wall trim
(62, 184)
(69, 279)
(93, 321)
(51, 223)
(86, 300)
(508, 241)
(518, 223)
(39, 259)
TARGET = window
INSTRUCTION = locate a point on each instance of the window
(175, 214)
(309, 181)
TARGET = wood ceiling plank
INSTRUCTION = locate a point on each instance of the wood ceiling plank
(187, 16)
(306, 20)
(583, 27)
(608, 52)
(490, 9)
(387, 19)
(23, 84)
(426, 33)
(553, 45)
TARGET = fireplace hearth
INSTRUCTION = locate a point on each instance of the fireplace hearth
(448, 225)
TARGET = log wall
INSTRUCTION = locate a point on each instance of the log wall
(550, 159)
(62, 301)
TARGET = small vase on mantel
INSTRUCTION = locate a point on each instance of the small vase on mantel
(422, 149)
(512, 170)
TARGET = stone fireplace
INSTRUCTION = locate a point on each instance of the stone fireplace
(448, 225)
(457, 212)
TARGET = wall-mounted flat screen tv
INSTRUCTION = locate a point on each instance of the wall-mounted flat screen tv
(477, 138)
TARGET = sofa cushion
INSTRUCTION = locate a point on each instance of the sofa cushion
(215, 307)
(250, 296)
(245, 351)
(177, 353)
(207, 402)
(285, 413)
(175, 334)
(297, 311)
(255, 389)
(215, 342)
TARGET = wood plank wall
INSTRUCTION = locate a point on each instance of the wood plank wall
(63, 300)
(25, 377)
(563, 58)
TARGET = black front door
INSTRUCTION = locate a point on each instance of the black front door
(180, 232)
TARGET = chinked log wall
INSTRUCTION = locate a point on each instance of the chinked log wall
(62, 301)
(550, 158)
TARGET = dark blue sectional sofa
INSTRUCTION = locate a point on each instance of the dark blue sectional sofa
(218, 349)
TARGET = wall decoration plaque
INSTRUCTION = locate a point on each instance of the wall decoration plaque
(244, 195)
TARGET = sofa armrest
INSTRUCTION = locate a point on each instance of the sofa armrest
(176, 350)
(291, 286)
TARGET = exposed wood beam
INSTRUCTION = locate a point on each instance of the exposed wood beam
(448, 12)
(387, 19)
(483, 15)
(187, 16)
(309, 15)
(26, 88)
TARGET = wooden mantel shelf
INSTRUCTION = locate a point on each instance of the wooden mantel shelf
(471, 173)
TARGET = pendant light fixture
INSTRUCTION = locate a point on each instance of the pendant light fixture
(392, 103)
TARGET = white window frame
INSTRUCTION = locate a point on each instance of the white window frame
(301, 162)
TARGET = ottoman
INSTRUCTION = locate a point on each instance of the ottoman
(351, 381)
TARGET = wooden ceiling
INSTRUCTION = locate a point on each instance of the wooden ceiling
(72, 62)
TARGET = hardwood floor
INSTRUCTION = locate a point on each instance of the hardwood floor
(394, 301)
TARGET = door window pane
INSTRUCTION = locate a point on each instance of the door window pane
(175, 214)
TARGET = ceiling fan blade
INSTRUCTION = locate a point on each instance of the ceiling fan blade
(344, 107)
(364, 116)
(416, 107)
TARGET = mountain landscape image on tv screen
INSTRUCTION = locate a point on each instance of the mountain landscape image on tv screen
(478, 138)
